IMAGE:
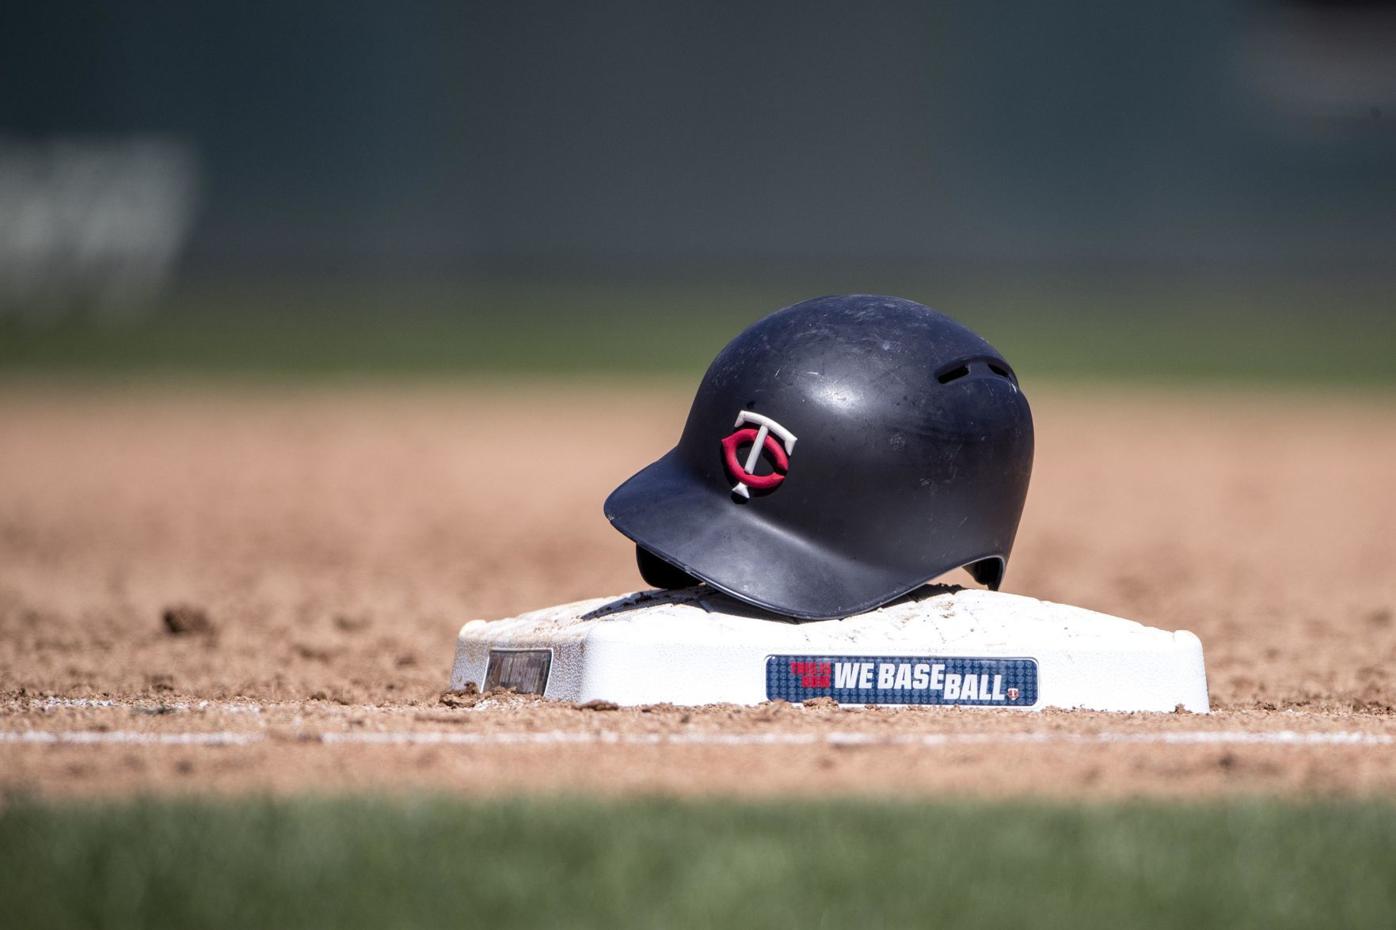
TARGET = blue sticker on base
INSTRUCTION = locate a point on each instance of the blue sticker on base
(903, 680)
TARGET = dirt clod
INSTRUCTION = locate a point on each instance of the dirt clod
(351, 623)
(186, 620)
(313, 653)
(464, 697)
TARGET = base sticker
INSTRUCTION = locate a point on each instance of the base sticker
(903, 680)
(522, 670)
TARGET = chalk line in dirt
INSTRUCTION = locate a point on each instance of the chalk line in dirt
(707, 738)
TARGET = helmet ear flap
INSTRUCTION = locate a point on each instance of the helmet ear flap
(988, 572)
(659, 573)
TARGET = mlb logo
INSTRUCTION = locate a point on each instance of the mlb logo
(1013, 694)
(813, 674)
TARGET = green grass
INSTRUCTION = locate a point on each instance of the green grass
(586, 863)
(1170, 333)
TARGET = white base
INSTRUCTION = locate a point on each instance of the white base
(699, 647)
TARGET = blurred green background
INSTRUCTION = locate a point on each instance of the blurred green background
(1168, 333)
(1197, 191)
(662, 863)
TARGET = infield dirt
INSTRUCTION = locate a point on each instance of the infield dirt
(317, 550)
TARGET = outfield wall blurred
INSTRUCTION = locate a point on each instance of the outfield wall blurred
(640, 138)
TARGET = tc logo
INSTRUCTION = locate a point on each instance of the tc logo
(760, 439)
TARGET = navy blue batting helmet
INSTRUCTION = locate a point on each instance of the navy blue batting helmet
(839, 453)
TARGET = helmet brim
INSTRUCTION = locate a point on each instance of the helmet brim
(702, 530)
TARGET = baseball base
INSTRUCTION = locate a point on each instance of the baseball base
(938, 646)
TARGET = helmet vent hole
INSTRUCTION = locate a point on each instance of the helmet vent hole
(1003, 371)
(959, 371)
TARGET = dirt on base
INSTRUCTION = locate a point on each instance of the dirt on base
(288, 565)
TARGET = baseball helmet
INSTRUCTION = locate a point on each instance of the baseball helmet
(839, 453)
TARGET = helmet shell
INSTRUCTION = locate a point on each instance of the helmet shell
(896, 445)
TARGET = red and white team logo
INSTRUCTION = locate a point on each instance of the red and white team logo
(760, 439)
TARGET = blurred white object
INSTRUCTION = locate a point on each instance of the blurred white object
(696, 646)
(92, 222)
